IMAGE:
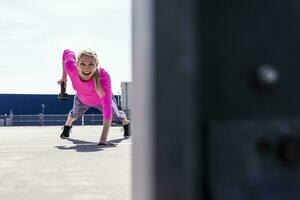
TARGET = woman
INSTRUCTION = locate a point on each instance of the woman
(93, 89)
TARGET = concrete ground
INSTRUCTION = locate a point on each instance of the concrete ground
(36, 164)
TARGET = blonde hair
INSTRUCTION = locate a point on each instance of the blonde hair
(96, 75)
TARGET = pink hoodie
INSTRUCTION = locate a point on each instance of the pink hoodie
(86, 90)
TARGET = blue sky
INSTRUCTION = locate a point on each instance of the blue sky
(35, 32)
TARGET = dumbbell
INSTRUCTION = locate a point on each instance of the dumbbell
(63, 95)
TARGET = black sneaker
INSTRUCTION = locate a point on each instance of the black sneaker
(127, 130)
(66, 132)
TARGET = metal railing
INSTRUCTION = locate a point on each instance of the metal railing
(51, 120)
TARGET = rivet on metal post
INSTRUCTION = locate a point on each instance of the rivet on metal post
(266, 76)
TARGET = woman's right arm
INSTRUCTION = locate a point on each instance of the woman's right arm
(64, 76)
(68, 65)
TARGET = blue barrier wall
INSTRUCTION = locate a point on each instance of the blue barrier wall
(25, 104)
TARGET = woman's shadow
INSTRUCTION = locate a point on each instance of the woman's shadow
(84, 146)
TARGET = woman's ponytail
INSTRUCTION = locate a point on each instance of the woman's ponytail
(96, 78)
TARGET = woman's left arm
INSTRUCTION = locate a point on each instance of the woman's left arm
(106, 103)
(105, 130)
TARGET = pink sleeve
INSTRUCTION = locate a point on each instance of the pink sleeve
(107, 98)
(69, 60)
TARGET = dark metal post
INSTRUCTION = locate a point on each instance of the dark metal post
(166, 139)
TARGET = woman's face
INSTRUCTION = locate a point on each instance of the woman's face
(86, 66)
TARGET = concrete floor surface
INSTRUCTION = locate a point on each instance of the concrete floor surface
(36, 164)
